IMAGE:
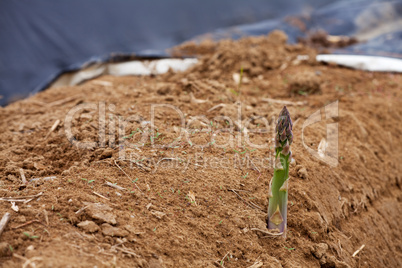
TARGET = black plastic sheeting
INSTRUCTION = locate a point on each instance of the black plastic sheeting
(377, 23)
(40, 39)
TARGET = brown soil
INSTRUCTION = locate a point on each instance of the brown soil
(177, 208)
(322, 41)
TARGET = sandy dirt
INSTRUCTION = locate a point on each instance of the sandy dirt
(109, 184)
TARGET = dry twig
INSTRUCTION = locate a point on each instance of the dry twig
(28, 223)
(128, 176)
(31, 262)
(62, 101)
(257, 264)
(266, 232)
(19, 257)
(339, 244)
(222, 262)
(127, 251)
(55, 125)
(4, 221)
(81, 209)
(46, 216)
(283, 102)
(20, 198)
(23, 178)
(252, 205)
(98, 194)
(357, 251)
(256, 169)
(115, 186)
(193, 100)
(216, 107)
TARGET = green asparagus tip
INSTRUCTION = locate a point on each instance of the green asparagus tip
(284, 134)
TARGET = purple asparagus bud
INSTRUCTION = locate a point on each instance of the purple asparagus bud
(284, 134)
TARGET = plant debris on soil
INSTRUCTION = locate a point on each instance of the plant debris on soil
(112, 179)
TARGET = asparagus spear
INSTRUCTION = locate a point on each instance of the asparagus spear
(278, 190)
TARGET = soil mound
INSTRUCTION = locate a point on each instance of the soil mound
(173, 170)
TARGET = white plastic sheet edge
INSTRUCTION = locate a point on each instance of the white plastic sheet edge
(361, 62)
(148, 67)
(153, 67)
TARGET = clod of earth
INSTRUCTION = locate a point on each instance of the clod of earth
(158, 214)
(5, 250)
(107, 153)
(109, 230)
(319, 250)
(302, 172)
(88, 226)
(101, 212)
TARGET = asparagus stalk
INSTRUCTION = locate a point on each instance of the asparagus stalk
(278, 190)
